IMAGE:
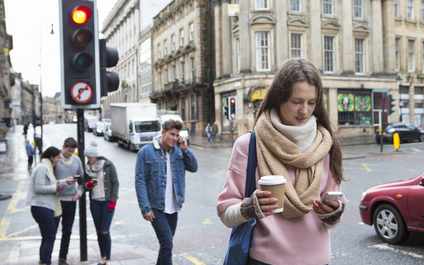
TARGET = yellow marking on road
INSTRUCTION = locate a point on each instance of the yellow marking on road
(219, 173)
(367, 168)
(5, 222)
(192, 259)
(207, 221)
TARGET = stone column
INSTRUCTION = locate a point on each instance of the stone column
(281, 34)
(315, 48)
(411, 102)
(226, 39)
(377, 37)
(389, 36)
(245, 41)
(218, 47)
(348, 53)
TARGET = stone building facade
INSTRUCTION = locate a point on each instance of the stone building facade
(182, 62)
(360, 47)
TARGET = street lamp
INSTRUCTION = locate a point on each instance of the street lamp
(40, 144)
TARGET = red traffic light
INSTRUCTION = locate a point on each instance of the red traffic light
(233, 100)
(81, 14)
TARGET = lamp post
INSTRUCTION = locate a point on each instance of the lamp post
(41, 98)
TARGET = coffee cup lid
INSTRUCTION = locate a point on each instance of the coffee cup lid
(271, 180)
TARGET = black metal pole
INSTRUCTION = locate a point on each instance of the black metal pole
(382, 122)
(82, 200)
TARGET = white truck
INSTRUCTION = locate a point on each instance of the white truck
(134, 124)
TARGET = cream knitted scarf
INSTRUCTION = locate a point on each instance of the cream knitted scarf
(274, 150)
(58, 206)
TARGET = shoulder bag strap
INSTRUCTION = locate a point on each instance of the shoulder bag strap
(251, 166)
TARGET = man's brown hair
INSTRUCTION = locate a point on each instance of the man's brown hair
(70, 143)
(172, 124)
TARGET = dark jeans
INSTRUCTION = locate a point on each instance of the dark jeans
(30, 161)
(68, 217)
(47, 223)
(102, 220)
(165, 226)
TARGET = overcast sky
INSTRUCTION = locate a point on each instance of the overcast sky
(30, 23)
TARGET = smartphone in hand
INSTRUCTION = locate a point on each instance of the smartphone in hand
(332, 195)
(77, 176)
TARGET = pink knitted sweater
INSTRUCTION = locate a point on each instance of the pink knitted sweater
(276, 240)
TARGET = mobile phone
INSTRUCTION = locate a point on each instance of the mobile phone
(77, 176)
(332, 195)
(94, 180)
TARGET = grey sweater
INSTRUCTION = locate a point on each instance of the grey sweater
(41, 190)
(62, 171)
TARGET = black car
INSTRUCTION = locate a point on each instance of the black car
(407, 132)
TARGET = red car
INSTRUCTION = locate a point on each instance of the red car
(394, 209)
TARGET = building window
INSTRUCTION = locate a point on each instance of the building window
(182, 72)
(159, 54)
(411, 65)
(183, 108)
(261, 4)
(410, 10)
(359, 56)
(165, 47)
(329, 54)
(327, 7)
(422, 12)
(160, 81)
(296, 45)
(238, 55)
(173, 43)
(358, 9)
(166, 76)
(193, 107)
(192, 70)
(396, 8)
(422, 58)
(181, 37)
(397, 53)
(354, 108)
(174, 73)
(295, 5)
(262, 51)
(191, 26)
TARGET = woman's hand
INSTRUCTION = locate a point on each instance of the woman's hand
(70, 181)
(267, 204)
(324, 208)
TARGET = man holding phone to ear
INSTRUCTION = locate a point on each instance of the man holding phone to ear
(69, 165)
(160, 183)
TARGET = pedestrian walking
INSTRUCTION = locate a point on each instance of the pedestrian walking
(30, 153)
(215, 132)
(294, 138)
(160, 171)
(103, 184)
(25, 130)
(43, 197)
(208, 131)
(69, 165)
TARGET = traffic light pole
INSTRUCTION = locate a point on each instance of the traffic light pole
(381, 121)
(82, 200)
(232, 132)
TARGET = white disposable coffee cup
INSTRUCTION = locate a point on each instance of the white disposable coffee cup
(276, 184)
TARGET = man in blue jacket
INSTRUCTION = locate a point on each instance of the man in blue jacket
(160, 183)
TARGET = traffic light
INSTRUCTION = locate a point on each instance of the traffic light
(226, 111)
(232, 108)
(108, 58)
(80, 68)
(390, 104)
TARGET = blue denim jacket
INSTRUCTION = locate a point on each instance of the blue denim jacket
(150, 175)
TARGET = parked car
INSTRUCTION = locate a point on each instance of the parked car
(99, 127)
(395, 209)
(90, 122)
(107, 133)
(407, 132)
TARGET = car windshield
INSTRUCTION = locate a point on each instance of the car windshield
(147, 126)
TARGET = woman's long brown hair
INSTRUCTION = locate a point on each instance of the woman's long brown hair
(299, 70)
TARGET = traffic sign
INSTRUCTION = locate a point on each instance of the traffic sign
(81, 92)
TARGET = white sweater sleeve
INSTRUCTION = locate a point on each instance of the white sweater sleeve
(232, 217)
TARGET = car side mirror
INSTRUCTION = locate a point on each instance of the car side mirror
(422, 181)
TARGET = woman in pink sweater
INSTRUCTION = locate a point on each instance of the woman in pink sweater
(294, 138)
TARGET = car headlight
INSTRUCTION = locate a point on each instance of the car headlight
(363, 195)
(391, 130)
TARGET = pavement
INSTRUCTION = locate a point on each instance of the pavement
(13, 167)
